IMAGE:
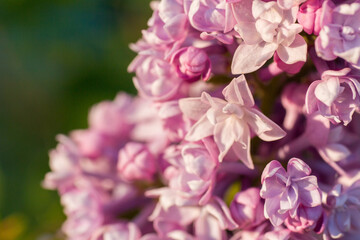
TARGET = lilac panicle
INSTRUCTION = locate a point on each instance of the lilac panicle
(164, 165)
(229, 121)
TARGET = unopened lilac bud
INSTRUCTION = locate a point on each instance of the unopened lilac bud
(309, 16)
(192, 64)
(90, 143)
(247, 209)
(136, 162)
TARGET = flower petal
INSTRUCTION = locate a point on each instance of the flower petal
(249, 58)
(266, 129)
(238, 91)
(224, 136)
(297, 168)
(193, 108)
(201, 129)
(242, 149)
(296, 52)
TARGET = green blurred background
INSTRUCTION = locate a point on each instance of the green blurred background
(57, 58)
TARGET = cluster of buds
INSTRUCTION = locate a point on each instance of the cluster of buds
(224, 88)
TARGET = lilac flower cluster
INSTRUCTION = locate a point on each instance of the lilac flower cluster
(191, 157)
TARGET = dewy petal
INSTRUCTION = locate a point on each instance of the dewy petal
(297, 168)
(193, 108)
(266, 129)
(201, 129)
(296, 52)
(249, 58)
(238, 91)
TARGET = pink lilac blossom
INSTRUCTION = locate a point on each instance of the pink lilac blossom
(247, 209)
(265, 29)
(344, 211)
(336, 96)
(340, 34)
(164, 165)
(229, 121)
(286, 192)
(309, 16)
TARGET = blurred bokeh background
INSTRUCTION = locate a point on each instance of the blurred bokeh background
(57, 59)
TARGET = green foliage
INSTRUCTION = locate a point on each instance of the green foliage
(57, 58)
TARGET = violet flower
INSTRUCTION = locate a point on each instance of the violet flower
(336, 96)
(344, 216)
(340, 33)
(287, 191)
(247, 209)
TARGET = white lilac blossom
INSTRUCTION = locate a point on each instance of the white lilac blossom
(190, 157)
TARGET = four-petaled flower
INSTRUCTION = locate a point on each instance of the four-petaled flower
(285, 191)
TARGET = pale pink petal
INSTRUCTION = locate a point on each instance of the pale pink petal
(201, 129)
(271, 169)
(334, 151)
(327, 91)
(193, 108)
(207, 227)
(309, 192)
(297, 168)
(249, 58)
(224, 136)
(271, 211)
(238, 91)
(272, 187)
(296, 52)
(310, 98)
(266, 129)
(242, 149)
